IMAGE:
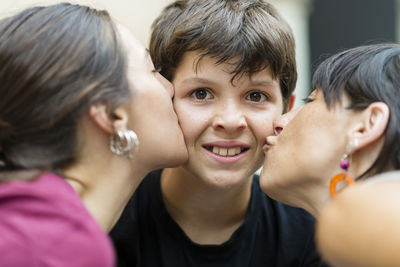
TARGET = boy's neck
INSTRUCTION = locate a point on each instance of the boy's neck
(207, 215)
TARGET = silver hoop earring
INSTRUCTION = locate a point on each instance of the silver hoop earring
(124, 143)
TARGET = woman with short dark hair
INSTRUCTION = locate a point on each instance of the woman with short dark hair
(348, 131)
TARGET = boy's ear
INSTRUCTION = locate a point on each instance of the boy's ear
(370, 124)
(291, 102)
(106, 121)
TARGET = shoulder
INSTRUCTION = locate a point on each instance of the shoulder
(15, 249)
(372, 204)
(150, 183)
(146, 198)
(150, 186)
(288, 230)
(138, 221)
(49, 196)
(46, 211)
(287, 224)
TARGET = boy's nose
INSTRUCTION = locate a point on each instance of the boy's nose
(230, 118)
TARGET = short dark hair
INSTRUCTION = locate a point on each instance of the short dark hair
(251, 32)
(55, 62)
(367, 74)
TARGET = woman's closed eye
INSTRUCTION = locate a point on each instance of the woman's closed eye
(307, 100)
(310, 97)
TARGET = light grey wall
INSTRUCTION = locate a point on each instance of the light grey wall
(137, 15)
(296, 12)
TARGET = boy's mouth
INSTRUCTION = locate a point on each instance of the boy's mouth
(226, 152)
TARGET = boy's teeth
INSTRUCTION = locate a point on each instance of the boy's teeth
(226, 151)
(215, 150)
(238, 150)
(231, 151)
(223, 151)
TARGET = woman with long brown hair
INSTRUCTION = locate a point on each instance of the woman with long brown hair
(83, 117)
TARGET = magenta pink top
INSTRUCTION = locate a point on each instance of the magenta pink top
(44, 223)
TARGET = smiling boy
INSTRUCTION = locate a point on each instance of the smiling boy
(233, 67)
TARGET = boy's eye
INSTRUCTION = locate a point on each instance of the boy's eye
(201, 94)
(256, 97)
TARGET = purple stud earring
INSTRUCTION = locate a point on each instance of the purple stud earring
(344, 163)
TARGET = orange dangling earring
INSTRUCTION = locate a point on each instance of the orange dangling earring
(344, 164)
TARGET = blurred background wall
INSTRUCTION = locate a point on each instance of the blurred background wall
(137, 15)
(321, 27)
(336, 25)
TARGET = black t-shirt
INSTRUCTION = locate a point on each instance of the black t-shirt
(273, 234)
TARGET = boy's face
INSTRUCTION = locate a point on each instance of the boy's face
(224, 124)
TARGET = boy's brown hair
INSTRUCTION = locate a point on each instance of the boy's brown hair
(251, 33)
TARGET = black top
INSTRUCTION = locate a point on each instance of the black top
(273, 234)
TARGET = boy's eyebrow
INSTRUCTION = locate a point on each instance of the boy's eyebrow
(263, 82)
(197, 79)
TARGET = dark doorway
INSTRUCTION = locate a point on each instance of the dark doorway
(339, 24)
